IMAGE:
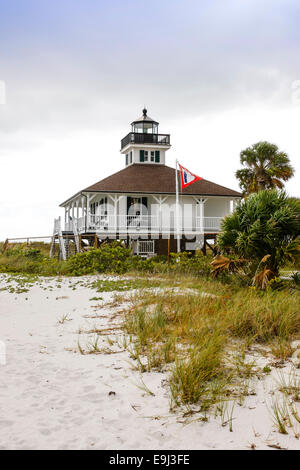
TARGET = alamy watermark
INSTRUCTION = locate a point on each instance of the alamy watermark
(2, 92)
(2, 353)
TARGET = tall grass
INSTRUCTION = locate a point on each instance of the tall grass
(264, 317)
(192, 376)
(192, 335)
(202, 333)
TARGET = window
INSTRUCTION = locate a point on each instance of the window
(126, 159)
(103, 206)
(131, 157)
(150, 156)
(137, 206)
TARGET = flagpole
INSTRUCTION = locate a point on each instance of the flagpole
(177, 209)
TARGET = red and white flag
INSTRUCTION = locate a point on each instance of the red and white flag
(187, 177)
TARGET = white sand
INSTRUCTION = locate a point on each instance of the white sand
(52, 397)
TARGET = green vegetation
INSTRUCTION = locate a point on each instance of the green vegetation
(265, 168)
(110, 258)
(283, 410)
(123, 285)
(201, 330)
(32, 259)
(205, 342)
(263, 233)
(280, 414)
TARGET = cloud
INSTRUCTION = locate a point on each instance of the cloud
(77, 73)
(73, 64)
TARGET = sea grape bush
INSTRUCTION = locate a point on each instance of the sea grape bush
(109, 258)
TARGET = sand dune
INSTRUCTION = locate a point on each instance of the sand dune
(52, 397)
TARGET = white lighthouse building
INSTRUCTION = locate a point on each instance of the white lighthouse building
(138, 203)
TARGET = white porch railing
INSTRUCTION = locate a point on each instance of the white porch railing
(209, 223)
(69, 226)
(81, 224)
(124, 222)
(144, 223)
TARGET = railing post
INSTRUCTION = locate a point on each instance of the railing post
(201, 203)
(88, 216)
(115, 215)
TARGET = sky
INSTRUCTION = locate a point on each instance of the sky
(218, 75)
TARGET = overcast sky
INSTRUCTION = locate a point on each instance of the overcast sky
(219, 75)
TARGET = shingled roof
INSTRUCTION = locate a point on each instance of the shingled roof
(155, 179)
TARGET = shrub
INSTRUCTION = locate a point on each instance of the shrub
(33, 254)
(296, 278)
(264, 228)
(109, 258)
(191, 264)
(112, 258)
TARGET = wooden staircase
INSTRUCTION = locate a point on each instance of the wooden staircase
(57, 233)
(69, 244)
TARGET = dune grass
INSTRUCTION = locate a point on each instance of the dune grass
(200, 329)
(204, 341)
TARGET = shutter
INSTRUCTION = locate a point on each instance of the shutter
(142, 156)
(128, 203)
(157, 156)
(144, 205)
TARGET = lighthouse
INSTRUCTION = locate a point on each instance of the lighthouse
(137, 204)
(144, 145)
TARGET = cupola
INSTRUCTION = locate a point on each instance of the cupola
(144, 144)
(144, 124)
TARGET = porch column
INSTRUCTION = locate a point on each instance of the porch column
(68, 215)
(201, 215)
(77, 210)
(116, 214)
(160, 200)
(82, 206)
(88, 218)
(115, 200)
(200, 203)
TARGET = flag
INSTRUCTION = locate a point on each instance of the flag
(187, 177)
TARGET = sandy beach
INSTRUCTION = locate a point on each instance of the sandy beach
(54, 397)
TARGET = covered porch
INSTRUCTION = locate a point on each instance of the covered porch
(141, 224)
(110, 214)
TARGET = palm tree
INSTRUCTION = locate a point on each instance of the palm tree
(266, 168)
(264, 228)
